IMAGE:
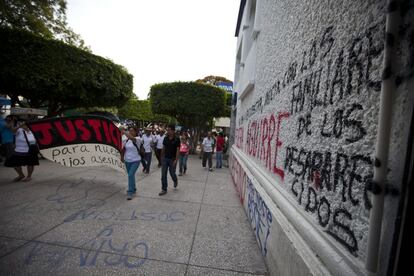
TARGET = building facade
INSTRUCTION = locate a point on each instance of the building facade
(309, 79)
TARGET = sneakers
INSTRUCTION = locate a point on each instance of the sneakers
(129, 197)
(211, 169)
(175, 184)
(163, 192)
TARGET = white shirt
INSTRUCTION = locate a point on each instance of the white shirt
(21, 143)
(208, 144)
(160, 140)
(131, 152)
(148, 141)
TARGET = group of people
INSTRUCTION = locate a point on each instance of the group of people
(19, 147)
(169, 150)
(213, 143)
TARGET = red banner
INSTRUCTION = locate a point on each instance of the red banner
(79, 141)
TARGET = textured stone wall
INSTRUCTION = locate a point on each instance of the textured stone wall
(310, 122)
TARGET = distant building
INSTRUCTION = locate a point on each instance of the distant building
(308, 79)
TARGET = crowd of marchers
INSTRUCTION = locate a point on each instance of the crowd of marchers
(171, 148)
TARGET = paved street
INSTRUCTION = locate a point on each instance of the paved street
(77, 221)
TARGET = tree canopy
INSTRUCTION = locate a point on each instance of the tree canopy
(191, 103)
(51, 73)
(140, 110)
(213, 80)
(46, 18)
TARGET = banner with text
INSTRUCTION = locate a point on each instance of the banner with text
(79, 141)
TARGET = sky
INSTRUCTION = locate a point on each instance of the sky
(160, 40)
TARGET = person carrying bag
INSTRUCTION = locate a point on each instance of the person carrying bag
(33, 147)
(130, 155)
(25, 152)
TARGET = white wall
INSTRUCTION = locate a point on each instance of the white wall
(306, 128)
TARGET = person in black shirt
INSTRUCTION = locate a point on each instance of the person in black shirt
(169, 157)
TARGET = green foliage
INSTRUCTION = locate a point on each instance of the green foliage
(228, 101)
(54, 74)
(191, 103)
(82, 110)
(46, 18)
(140, 110)
(213, 80)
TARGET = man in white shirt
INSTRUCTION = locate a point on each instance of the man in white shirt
(208, 150)
(159, 139)
(148, 141)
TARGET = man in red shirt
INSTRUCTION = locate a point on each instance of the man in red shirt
(219, 150)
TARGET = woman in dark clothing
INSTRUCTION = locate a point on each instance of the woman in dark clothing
(22, 155)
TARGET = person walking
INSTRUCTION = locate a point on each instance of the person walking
(159, 139)
(207, 148)
(184, 150)
(132, 158)
(148, 142)
(225, 150)
(7, 136)
(25, 153)
(169, 155)
(219, 150)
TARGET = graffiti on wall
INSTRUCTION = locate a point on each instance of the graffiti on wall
(259, 216)
(324, 86)
(239, 177)
(239, 133)
(258, 213)
(263, 141)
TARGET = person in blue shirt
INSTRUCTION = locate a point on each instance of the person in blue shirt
(7, 136)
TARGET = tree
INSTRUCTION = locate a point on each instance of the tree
(193, 104)
(140, 110)
(213, 80)
(46, 18)
(50, 73)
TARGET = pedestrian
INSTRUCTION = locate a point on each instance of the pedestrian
(225, 150)
(184, 150)
(169, 155)
(219, 150)
(130, 155)
(207, 148)
(159, 138)
(140, 134)
(7, 136)
(148, 142)
(25, 152)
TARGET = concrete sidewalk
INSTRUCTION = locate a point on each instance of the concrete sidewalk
(77, 221)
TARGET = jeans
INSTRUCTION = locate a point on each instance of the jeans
(167, 163)
(144, 163)
(158, 155)
(183, 162)
(132, 168)
(208, 156)
(148, 157)
(219, 159)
